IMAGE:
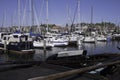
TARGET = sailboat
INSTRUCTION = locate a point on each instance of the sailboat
(90, 38)
(101, 37)
(42, 42)
(19, 43)
(39, 43)
(68, 55)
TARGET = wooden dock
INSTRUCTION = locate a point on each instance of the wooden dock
(26, 72)
(16, 52)
(44, 71)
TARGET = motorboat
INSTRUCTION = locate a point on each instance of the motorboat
(17, 42)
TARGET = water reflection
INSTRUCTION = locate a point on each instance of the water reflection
(102, 47)
(98, 48)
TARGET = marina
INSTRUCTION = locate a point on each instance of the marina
(42, 40)
(92, 49)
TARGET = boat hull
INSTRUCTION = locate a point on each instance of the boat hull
(40, 45)
(60, 44)
(18, 48)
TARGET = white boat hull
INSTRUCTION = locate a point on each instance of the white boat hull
(89, 40)
(40, 44)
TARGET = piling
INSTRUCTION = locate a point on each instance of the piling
(5, 47)
(44, 49)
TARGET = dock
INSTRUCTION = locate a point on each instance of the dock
(17, 52)
(26, 72)
(46, 71)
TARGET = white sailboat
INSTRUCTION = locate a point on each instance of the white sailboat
(59, 41)
(42, 43)
(90, 38)
(101, 38)
(39, 43)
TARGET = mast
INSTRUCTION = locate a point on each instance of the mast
(32, 13)
(30, 18)
(91, 14)
(19, 15)
(3, 22)
(47, 14)
(24, 15)
(68, 18)
(79, 13)
(91, 25)
(4, 17)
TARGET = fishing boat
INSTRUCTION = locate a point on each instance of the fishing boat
(17, 43)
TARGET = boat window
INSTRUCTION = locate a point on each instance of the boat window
(22, 36)
(15, 36)
(3, 34)
(26, 37)
(4, 38)
(8, 38)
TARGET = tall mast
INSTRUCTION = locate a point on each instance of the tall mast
(30, 18)
(12, 20)
(4, 19)
(68, 17)
(79, 13)
(47, 14)
(32, 12)
(91, 14)
(19, 15)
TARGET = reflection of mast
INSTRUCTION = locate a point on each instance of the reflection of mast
(47, 14)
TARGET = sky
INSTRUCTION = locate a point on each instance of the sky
(60, 12)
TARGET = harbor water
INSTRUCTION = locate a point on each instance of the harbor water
(39, 55)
